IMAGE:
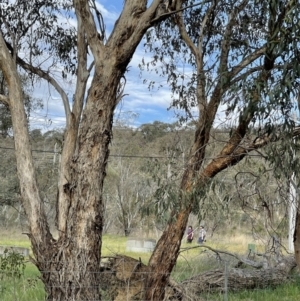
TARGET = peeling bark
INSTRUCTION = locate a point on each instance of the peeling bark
(70, 265)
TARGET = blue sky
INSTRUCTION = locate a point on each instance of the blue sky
(148, 105)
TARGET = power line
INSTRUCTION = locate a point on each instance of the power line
(112, 155)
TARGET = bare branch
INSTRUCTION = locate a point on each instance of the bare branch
(168, 14)
(100, 20)
(45, 75)
(4, 99)
(226, 38)
(246, 261)
(95, 41)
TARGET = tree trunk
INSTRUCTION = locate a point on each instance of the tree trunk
(165, 254)
(164, 257)
(68, 271)
(70, 265)
(71, 270)
(123, 279)
(297, 238)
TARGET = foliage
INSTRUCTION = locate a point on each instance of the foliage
(141, 191)
(12, 264)
(38, 31)
(190, 262)
(26, 288)
(241, 58)
(217, 50)
(30, 103)
(46, 162)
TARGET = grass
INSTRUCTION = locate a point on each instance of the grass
(286, 292)
(191, 261)
(28, 287)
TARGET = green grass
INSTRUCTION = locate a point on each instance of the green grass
(28, 287)
(191, 261)
(112, 245)
(286, 292)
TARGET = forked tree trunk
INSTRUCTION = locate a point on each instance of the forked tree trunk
(70, 267)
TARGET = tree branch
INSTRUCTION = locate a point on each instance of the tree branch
(225, 46)
(224, 160)
(31, 198)
(4, 99)
(168, 14)
(246, 261)
(73, 121)
(51, 81)
(95, 41)
(245, 62)
(186, 38)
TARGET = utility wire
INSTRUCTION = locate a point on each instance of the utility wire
(117, 156)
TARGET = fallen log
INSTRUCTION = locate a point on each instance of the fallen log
(123, 278)
(241, 279)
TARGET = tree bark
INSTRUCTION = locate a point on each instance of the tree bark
(70, 265)
(76, 256)
(196, 176)
(164, 257)
(297, 238)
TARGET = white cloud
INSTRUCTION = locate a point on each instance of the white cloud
(109, 12)
(150, 105)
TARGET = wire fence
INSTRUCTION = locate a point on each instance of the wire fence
(201, 273)
(119, 276)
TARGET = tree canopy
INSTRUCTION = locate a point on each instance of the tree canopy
(231, 63)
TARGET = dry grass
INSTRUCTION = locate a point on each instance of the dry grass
(113, 244)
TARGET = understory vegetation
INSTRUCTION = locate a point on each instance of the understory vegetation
(144, 168)
(228, 70)
(193, 260)
(245, 206)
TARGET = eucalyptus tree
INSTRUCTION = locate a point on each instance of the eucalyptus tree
(253, 73)
(39, 38)
(233, 64)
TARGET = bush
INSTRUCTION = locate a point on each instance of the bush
(12, 264)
